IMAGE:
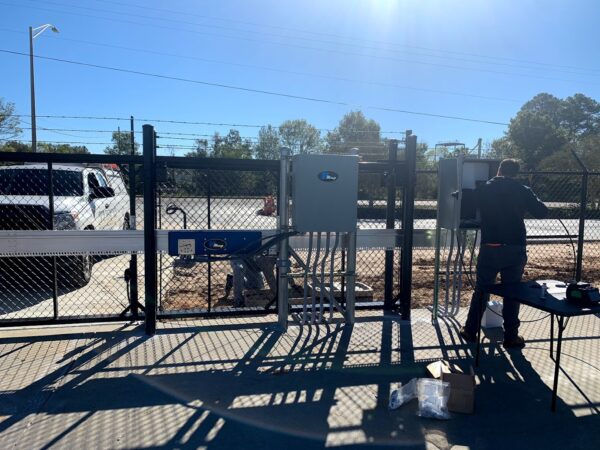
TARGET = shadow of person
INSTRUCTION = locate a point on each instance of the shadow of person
(513, 406)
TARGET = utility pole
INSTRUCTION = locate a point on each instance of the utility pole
(33, 33)
(32, 82)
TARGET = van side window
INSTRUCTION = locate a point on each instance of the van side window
(116, 182)
(92, 181)
(101, 179)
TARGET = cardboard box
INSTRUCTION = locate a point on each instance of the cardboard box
(462, 385)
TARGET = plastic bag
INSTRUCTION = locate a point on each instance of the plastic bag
(433, 398)
(404, 394)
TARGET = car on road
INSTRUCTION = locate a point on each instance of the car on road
(85, 197)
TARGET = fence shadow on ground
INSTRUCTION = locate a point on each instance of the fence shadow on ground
(248, 385)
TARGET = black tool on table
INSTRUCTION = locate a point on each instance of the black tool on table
(582, 294)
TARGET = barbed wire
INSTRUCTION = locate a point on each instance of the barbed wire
(188, 122)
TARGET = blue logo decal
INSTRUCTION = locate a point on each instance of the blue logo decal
(215, 244)
(328, 176)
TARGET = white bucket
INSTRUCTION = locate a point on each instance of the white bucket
(492, 318)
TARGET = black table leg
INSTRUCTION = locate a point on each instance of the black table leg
(481, 311)
(552, 336)
(557, 361)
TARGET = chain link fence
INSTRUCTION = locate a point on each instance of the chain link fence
(90, 196)
(591, 247)
(42, 196)
(552, 242)
(236, 199)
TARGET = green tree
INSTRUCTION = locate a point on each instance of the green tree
(501, 148)
(121, 144)
(268, 143)
(9, 123)
(15, 146)
(300, 136)
(201, 150)
(545, 124)
(356, 131)
(44, 147)
(231, 146)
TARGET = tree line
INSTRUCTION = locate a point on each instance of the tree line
(544, 134)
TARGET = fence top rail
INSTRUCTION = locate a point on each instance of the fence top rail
(183, 162)
(526, 173)
(380, 166)
(69, 158)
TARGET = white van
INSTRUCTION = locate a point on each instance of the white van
(86, 197)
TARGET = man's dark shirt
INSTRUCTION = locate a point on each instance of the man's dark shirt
(503, 203)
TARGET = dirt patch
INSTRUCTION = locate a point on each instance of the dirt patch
(184, 289)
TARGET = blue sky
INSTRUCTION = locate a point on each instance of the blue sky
(475, 59)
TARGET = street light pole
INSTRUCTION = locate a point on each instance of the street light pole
(31, 77)
(33, 33)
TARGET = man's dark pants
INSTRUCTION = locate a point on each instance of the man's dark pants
(509, 261)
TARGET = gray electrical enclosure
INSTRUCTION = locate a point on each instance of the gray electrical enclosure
(452, 177)
(324, 193)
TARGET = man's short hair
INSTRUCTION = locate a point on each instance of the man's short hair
(509, 168)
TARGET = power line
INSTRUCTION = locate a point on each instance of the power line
(317, 41)
(58, 142)
(316, 33)
(328, 50)
(87, 130)
(278, 70)
(256, 91)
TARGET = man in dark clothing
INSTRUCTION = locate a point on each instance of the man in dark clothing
(502, 203)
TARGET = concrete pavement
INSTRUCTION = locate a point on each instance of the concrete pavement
(240, 383)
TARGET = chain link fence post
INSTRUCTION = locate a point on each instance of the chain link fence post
(150, 267)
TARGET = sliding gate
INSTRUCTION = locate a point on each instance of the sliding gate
(75, 231)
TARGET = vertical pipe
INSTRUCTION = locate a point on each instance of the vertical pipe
(306, 269)
(390, 218)
(331, 272)
(581, 233)
(314, 279)
(343, 281)
(32, 85)
(208, 224)
(149, 141)
(408, 209)
(283, 262)
(51, 226)
(351, 300)
(436, 274)
(322, 283)
(133, 282)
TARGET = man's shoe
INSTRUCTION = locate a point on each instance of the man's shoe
(516, 342)
(467, 336)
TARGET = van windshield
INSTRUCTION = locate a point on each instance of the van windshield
(68, 183)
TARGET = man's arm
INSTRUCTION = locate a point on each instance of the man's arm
(534, 205)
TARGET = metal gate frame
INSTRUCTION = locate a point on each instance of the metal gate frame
(396, 173)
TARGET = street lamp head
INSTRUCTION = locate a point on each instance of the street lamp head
(39, 30)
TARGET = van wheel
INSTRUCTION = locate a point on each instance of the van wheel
(126, 223)
(77, 272)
